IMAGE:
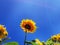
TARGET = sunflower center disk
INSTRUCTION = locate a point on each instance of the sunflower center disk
(54, 39)
(27, 26)
(59, 39)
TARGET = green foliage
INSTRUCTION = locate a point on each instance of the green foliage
(49, 42)
(31, 42)
(11, 43)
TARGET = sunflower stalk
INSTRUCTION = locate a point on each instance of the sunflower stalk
(0, 43)
(25, 38)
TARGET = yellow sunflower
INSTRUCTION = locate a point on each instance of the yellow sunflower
(58, 37)
(54, 38)
(3, 32)
(28, 25)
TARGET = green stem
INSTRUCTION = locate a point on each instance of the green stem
(0, 43)
(25, 38)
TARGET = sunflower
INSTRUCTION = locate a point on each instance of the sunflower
(54, 38)
(3, 32)
(58, 37)
(28, 25)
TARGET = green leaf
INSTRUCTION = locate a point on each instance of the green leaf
(11, 43)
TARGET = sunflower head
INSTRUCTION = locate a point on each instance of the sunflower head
(3, 32)
(54, 38)
(58, 37)
(28, 25)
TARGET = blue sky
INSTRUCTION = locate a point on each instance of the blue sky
(46, 14)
